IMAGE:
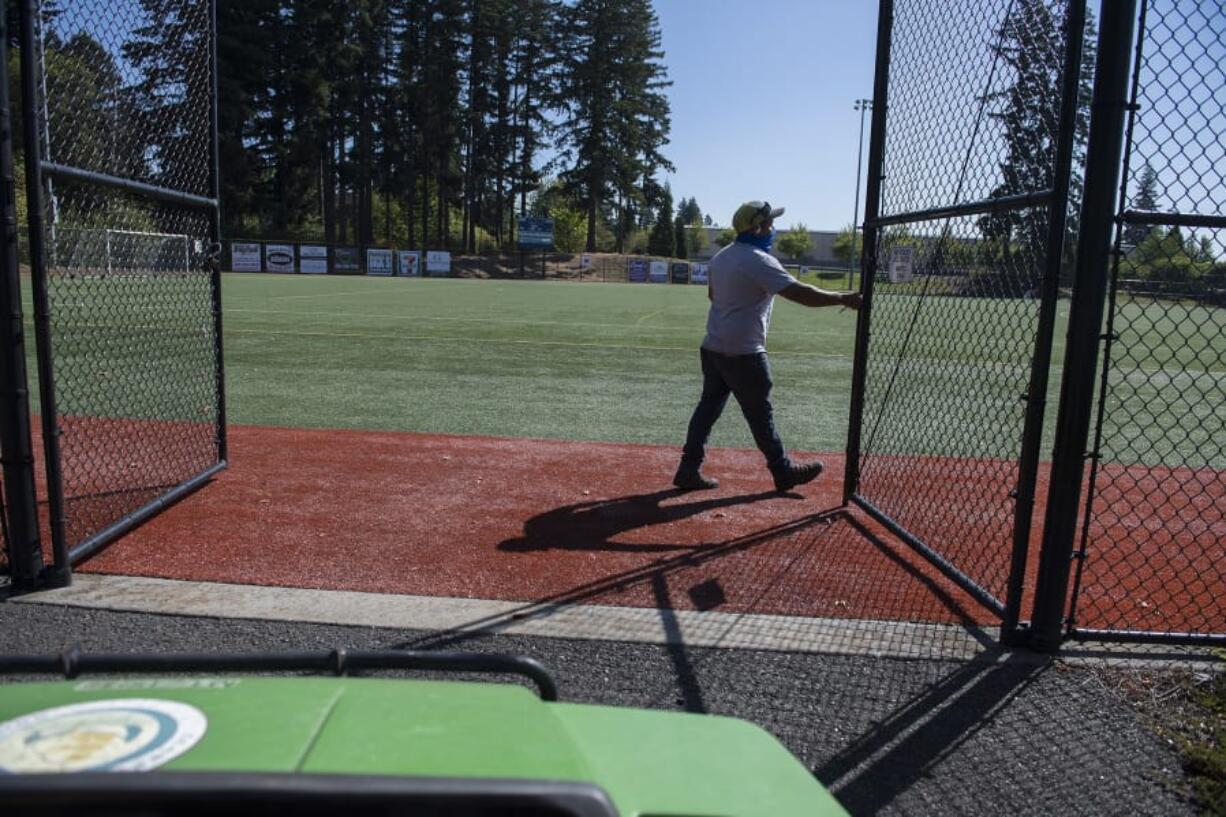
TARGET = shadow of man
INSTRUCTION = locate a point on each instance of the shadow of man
(595, 525)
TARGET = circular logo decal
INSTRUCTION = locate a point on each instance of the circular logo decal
(123, 735)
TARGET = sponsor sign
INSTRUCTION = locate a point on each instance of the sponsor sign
(378, 262)
(636, 271)
(536, 233)
(700, 274)
(681, 273)
(244, 257)
(120, 735)
(902, 268)
(658, 273)
(585, 261)
(312, 259)
(279, 257)
(438, 262)
(410, 263)
(346, 259)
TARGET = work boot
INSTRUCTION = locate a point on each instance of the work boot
(689, 478)
(794, 475)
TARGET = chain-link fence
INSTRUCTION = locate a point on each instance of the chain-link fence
(976, 224)
(124, 258)
(961, 277)
(1152, 545)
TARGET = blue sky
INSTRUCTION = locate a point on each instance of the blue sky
(762, 103)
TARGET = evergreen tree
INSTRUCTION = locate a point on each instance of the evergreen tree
(662, 240)
(1030, 46)
(616, 116)
(1146, 199)
(679, 225)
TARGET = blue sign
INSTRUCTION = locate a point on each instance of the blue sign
(636, 271)
(536, 233)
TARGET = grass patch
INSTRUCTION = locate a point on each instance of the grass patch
(1205, 759)
(617, 362)
(1187, 710)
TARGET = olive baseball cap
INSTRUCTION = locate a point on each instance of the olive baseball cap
(751, 214)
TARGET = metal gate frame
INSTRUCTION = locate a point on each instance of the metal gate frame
(19, 486)
(19, 504)
(1056, 200)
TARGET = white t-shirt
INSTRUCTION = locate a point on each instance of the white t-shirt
(744, 281)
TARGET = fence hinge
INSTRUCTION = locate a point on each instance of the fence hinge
(1092, 455)
(1025, 396)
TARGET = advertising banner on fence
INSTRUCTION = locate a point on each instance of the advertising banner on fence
(681, 273)
(699, 274)
(438, 262)
(410, 263)
(901, 265)
(279, 257)
(636, 271)
(245, 257)
(312, 259)
(536, 234)
(345, 259)
(585, 261)
(378, 262)
(658, 273)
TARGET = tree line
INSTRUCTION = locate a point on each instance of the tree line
(437, 122)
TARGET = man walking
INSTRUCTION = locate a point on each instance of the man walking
(744, 280)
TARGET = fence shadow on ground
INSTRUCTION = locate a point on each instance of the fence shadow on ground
(911, 715)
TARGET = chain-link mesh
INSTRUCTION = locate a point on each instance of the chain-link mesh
(974, 103)
(128, 89)
(127, 93)
(1154, 557)
(944, 398)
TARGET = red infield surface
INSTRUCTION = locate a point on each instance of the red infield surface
(531, 520)
(572, 522)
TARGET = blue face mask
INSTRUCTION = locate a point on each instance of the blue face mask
(762, 242)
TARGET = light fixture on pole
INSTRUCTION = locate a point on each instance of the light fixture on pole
(861, 105)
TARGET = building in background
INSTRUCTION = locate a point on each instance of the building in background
(820, 254)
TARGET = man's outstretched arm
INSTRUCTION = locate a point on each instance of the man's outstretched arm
(809, 295)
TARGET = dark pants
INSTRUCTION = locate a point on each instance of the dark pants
(748, 378)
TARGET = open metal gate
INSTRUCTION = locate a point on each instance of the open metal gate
(975, 122)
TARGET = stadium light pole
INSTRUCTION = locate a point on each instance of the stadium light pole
(861, 105)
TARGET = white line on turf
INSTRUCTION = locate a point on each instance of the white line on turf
(334, 316)
(504, 341)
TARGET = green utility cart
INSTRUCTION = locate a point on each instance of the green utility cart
(213, 734)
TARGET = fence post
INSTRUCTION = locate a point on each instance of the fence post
(223, 453)
(1098, 207)
(868, 252)
(61, 573)
(25, 551)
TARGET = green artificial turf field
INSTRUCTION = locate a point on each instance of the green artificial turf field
(518, 358)
(619, 362)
